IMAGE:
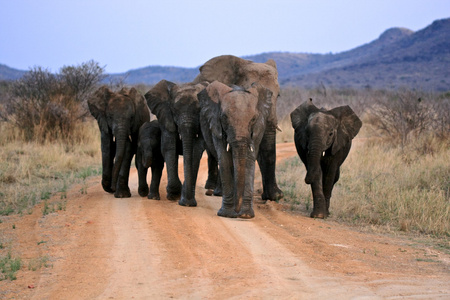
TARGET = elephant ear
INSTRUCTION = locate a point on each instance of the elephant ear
(348, 126)
(271, 63)
(159, 100)
(264, 106)
(299, 119)
(97, 106)
(209, 102)
(225, 69)
(142, 112)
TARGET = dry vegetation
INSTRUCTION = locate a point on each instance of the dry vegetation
(32, 171)
(397, 175)
(47, 138)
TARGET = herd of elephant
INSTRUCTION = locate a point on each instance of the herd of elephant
(229, 110)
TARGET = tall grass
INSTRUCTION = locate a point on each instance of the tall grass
(401, 184)
(31, 171)
(380, 185)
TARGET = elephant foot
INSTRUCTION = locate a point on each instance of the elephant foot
(217, 192)
(185, 202)
(107, 187)
(173, 196)
(275, 195)
(320, 215)
(227, 212)
(174, 191)
(122, 193)
(154, 196)
(143, 190)
(247, 214)
(210, 184)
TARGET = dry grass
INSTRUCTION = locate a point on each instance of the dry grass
(32, 171)
(384, 184)
(380, 185)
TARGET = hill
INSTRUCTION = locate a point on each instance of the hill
(7, 73)
(399, 57)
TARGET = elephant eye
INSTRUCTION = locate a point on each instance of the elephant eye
(331, 133)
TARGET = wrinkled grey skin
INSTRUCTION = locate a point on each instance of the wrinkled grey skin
(119, 117)
(149, 149)
(230, 70)
(233, 122)
(323, 139)
(177, 109)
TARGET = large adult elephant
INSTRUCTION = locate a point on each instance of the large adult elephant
(230, 70)
(233, 121)
(119, 117)
(323, 139)
(177, 109)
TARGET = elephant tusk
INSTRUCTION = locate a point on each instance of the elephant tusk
(279, 129)
(251, 148)
(228, 147)
(323, 154)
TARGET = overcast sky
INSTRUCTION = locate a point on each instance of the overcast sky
(124, 35)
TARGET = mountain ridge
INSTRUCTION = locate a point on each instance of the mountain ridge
(399, 57)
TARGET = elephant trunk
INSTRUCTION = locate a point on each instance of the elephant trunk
(243, 165)
(147, 159)
(314, 171)
(188, 135)
(121, 135)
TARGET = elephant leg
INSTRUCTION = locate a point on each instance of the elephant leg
(330, 177)
(169, 151)
(157, 169)
(188, 194)
(212, 172)
(218, 189)
(228, 208)
(142, 175)
(319, 202)
(247, 211)
(267, 165)
(122, 189)
(108, 153)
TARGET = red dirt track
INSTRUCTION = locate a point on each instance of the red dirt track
(105, 248)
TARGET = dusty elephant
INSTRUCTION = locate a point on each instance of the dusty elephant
(323, 139)
(233, 122)
(231, 70)
(119, 117)
(149, 150)
(177, 109)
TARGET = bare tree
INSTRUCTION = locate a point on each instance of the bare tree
(43, 104)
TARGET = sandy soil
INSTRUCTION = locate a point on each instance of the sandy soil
(100, 247)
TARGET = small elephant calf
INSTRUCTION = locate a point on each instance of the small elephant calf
(149, 152)
(323, 139)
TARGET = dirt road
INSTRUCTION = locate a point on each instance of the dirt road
(100, 247)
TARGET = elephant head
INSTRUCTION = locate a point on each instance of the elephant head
(233, 123)
(177, 109)
(230, 70)
(149, 140)
(119, 117)
(323, 132)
